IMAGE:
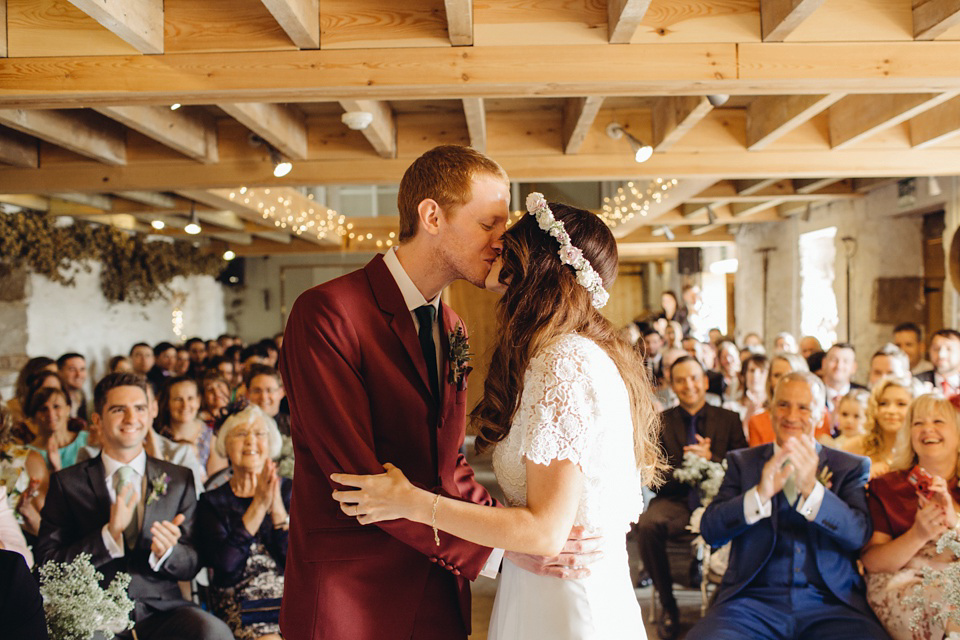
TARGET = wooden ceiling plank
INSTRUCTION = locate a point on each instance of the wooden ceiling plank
(137, 22)
(382, 132)
(674, 117)
(192, 134)
(460, 22)
(770, 117)
(743, 210)
(18, 150)
(300, 20)
(476, 115)
(779, 18)
(152, 198)
(266, 247)
(283, 127)
(936, 125)
(26, 201)
(932, 18)
(857, 117)
(93, 200)
(623, 18)
(71, 132)
(225, 219)
(3, 31)
(750, 187)
(578, 116)
(806, 186)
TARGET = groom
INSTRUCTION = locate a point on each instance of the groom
(367, 368)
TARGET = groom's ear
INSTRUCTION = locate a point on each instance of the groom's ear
(429, 213)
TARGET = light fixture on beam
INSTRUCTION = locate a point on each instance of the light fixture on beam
(281, 166)
(229, 255)
(933, 187)
(666, 232)
(711, 215)
(157, 224)
(175, 106)
(641, 151)
(193, 227)
(718, 99)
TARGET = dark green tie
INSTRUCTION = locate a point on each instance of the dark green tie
(425, 316)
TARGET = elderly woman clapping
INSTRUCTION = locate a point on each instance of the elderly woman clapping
(911, 508)
(243, 526)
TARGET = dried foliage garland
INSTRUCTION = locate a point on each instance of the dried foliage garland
(133, 270)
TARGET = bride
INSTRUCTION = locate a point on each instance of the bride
(569, 409)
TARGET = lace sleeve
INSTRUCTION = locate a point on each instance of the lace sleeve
(558, 406)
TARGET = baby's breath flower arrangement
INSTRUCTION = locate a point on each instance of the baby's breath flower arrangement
(701, 474)
(944, 580)
(76, 606)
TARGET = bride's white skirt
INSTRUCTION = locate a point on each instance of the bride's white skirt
(602, 606)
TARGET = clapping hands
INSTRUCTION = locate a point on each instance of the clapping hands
(935, 514)
(701, 448)
(796, 456)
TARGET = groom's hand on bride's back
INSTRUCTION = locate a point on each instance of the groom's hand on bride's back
(581, 550)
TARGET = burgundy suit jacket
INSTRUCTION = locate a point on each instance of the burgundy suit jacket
(357, 385)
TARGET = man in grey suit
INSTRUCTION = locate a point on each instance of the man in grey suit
(131, 513)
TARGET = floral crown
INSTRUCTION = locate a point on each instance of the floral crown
(569, 254)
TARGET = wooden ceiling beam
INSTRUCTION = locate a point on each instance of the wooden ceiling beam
(779, 18)
(459, 22)
(98, 201)
(623, 18)
(673, 117)
(932, 18)
(382, 132)
(855, 118)
(299, 19)
(17, 149)
(283, 127)
(476, 114)
(751, 187)
(192, 134)
(936, 125)
(578, 117)
(71, 131)
(151, 198)
(815, 184)
(139, 23)
(744, 210)
(262, 246)
(771, 117)
(3, 32)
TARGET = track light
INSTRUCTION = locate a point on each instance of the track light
(665, 231)
(281, 166)
(718, 99)
(193, 227)
(933, 186)
(229, 255)
(157, 224)
(174, 106)
(641, 151)
(711, 215)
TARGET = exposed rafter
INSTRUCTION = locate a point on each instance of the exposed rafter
(623, 18)
(18, 150)
(382, 132)
(137, 22)
(674, 117)
(778, 18)
(578, 116)
(460, 22)
(192, 134)
(855, 118)
(299, 19)
(771, 117)
(936, 125)
(70, 131)
(476, 115)
(283, 127)
(932, 18)
(151, 198)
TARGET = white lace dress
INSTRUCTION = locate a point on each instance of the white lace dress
(574, 406)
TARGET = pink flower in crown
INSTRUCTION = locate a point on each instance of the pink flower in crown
(569, 254)
(535, 201)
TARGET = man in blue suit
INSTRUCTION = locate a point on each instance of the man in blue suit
(797, 515)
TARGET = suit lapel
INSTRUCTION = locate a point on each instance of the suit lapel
(149, 510)
(390, 300)
(98, 485)
(448, 322)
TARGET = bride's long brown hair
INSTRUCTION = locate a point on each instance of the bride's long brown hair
(543, 302)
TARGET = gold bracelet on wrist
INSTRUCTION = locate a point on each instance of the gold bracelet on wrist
(433, 520)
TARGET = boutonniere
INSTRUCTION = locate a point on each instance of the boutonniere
(824, 476)
(158, 488)
(459, 358)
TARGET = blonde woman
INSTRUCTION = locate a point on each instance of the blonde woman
(886, 411)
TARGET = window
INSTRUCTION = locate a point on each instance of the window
(818, 301)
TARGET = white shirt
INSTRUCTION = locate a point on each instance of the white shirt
(413, 299)
(139, 466)
(754, 510)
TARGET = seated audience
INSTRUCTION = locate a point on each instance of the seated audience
(178, 420)
(49, 410)
(753, 385)
(233, 354)
(120, 364)
(243, 526)
(785, 342)
(665, 397)
(98, 507)
(142, 358)
(673, 335)
(24, 477)
(809, 345)
(673, 311)
(945, 357)
(21, 606)
(886, 411)
(265, 389)
(181, 363)
(165, 359)
(793, 563)
(16, 404)
(760, 427)
(839, 365)
(851, 420)
(909, 338)
(213, 349)
(907, 523)
(696, 427)
(729, 367)
(216, 396)
(272, 352)
(888, 360)
(11, 537)
(72, 369)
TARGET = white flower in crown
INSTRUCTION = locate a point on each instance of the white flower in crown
(599, 298)
(536, 201)
(587, 278)
(569, 254)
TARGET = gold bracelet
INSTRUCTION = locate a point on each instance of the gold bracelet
(433, 520)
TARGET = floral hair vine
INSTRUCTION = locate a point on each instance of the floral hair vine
(569, 254)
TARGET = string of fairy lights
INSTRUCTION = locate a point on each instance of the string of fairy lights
(631, 201)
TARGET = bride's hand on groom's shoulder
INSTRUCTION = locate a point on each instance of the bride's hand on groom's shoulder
(380, 497)
(572, 563)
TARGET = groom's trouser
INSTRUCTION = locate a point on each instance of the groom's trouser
(438, 617)
(664, 519)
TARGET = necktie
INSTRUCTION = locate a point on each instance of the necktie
(790, 491)
(122, 476)
(425, 317)
(693, 498)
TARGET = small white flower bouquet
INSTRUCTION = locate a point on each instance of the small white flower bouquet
(76, 606)
(702, 474)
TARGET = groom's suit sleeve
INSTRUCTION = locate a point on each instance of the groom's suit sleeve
(330, 411)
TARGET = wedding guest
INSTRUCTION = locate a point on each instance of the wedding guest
(785, 342)
(49, 409)
(945, 357)
(98, 507)
(729, 367)
(673, 335)
(714, 336)
(25, 477)
(142, 358)
(696, 427)
(716, 384)
(809, 345)
(886, 412)
(233, 354)
(17, 403)
(216, 396)
(120, 364)
(265, 389)
(839, 365)
(908, 337)
(753, 340)
(243, 527)
(181, 363)
(165, 359)
(753, 385)
(796, 513)
(11, 537)
(851, 420)
(197, 349)
(907, 523)
(179, 421)
(272, 353)
(760, 427)
(888, 360)
(21, 606)
(72, 369)
(673, 311)
(665, 397)
(653, 348)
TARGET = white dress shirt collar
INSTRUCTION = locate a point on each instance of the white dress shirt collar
(110, 465)
(411, 294)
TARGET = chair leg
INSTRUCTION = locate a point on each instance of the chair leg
(653, 605)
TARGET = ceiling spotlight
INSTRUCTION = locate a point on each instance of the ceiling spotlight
(711, 215)
(933, 186)
(193, 227)
(157, 224)
(174, 106)
(641, 151)
(667, 232)
(281, 166)
(229, 255)
(718, 99)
